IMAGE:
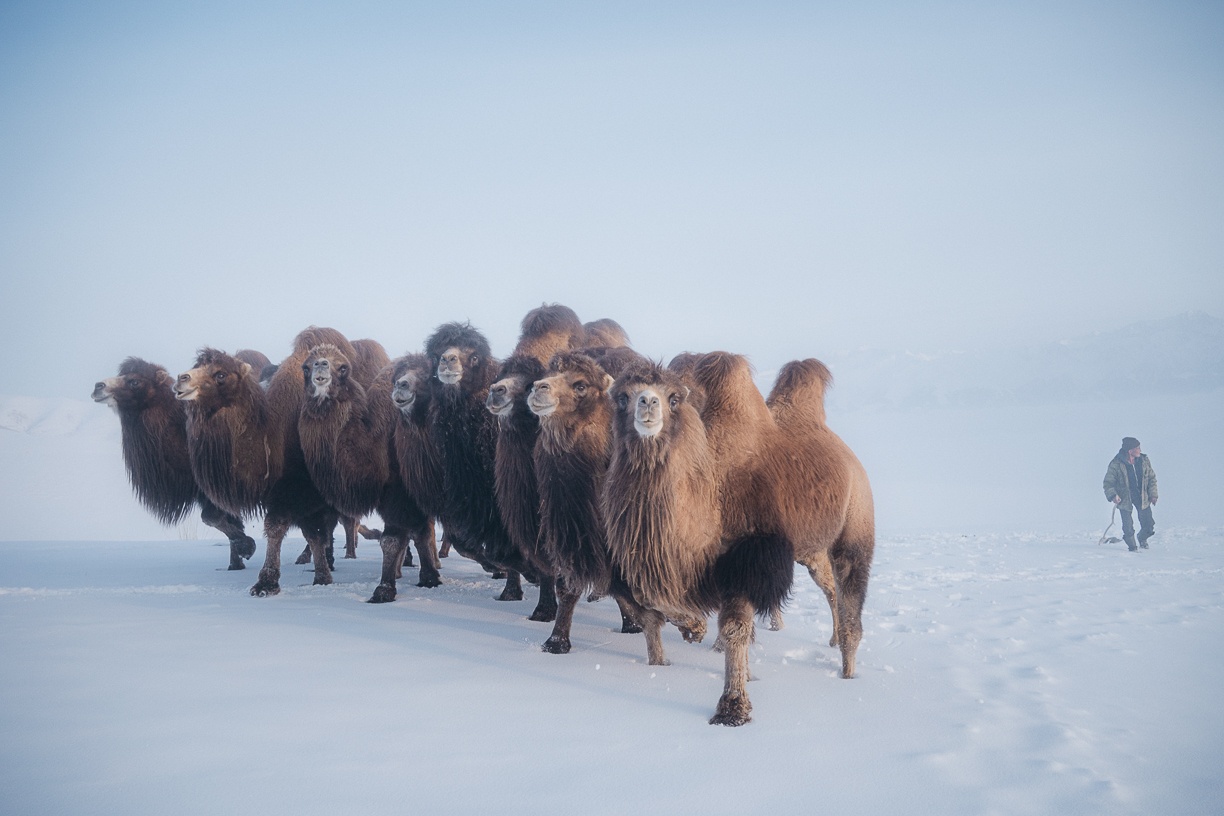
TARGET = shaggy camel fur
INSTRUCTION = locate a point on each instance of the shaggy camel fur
(706, 511)
(465, 435)
(153, 429)
(571, 461)
(346, 431)
(544, 331)
(246, 454)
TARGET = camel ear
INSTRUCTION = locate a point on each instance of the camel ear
(688, 392)
(607, 383)
(246, 369)
(164, 378)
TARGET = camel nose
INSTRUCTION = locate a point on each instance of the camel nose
(499, 390)
(542, 386)
(98, 386)
(183, 378)
(648, 401)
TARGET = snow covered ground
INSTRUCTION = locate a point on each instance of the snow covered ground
(1002, 673)
(1009, 664)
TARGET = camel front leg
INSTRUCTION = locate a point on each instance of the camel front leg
(546, 606)
(242, 546)
(275, 529)
(513, 591)
(559, 641)
(318, 530)
(427, 548)
(735, 632)
(393, 542)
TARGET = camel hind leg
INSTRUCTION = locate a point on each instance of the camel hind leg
(851, 558)
(820, 567)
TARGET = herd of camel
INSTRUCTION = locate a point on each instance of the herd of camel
(575, 463)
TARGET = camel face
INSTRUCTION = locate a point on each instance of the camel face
(648, 414)
(217, 377)
(451, 365)
(503, 394)
(104, 391)
(545, 396)
(188, 385)
(325, 370)
(138, 386)
(404, 392)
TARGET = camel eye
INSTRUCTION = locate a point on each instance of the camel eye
(622, 401)
(133, 383)
(473, 360)
(343, 370)
(219, 376)
(674, 401)
(580, 387)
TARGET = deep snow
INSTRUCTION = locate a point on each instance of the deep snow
(1010, 665)
(998, 674)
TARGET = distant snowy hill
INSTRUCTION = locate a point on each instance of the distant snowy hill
(1177, 355)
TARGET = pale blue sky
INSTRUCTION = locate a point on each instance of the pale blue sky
(780, 179)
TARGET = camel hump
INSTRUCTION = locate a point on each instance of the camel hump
(801, 386)
(312, 336)
(257, 360)
(372, 358)
(550, 318)
(605, 332)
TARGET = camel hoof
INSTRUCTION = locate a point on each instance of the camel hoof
(382, 594)
(304, 558)
(262, 590)
(543, 615)
(246, 549)
(510, 595)
(322, 579)
(555, 645)
(350, 553)
(237, 565)
(732, 711)
(429, 581)
(630, 628)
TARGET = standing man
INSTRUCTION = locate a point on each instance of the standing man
(1131, 482)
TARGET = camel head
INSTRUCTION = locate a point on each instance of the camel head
(460, 356)
(326, 371)
(217, 378)
(514, 381)
(453, 362)
(646, 399)
(574, 386)
(503, 394)
(411, 374)
(138, 385)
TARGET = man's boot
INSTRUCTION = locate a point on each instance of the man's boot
(1143, 539)
(1130, 542)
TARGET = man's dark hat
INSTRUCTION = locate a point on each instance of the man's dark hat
(1129, 443)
